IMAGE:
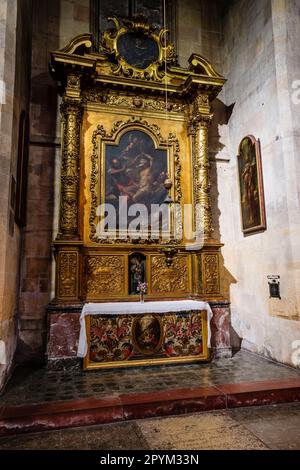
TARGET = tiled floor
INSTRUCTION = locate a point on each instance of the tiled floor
(255, 428)
(42, 385)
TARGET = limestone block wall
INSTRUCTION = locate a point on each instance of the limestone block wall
(252, 43)
(259, 64)
(15, 39)
(54, 24)
(199, 29)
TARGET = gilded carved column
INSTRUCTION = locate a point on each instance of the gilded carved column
(204, 179)
(71, 112)
(200, 121)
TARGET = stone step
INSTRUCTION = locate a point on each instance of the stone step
(91, 411)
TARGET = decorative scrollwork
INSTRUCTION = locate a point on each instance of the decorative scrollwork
(172, 279)
(67, 267)
(210, 273)
(73, 81)
(155, 70)
(93, 95)
(105, 275)
(177, 177)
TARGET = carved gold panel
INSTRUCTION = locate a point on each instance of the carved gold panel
(106, 275)
(210, 273)
(170, 280)
(67, 267)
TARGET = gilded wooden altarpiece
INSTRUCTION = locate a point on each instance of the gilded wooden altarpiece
(122, 92)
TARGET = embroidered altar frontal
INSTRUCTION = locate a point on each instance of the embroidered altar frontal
(146, 339)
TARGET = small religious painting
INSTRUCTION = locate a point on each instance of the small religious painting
(251, 186)
(138, 50)
(135, 171)
(137, 271)
(147, 334)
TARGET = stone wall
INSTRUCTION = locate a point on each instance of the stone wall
(55, 23)
(253, 45)
(15, 46)
(199, 29)
(258, 64)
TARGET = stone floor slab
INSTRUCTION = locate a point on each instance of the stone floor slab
(255, 428)
(205, 431)
(39, 385)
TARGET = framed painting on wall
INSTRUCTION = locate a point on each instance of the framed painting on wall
(253, 214)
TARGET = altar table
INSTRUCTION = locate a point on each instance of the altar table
(122, 334)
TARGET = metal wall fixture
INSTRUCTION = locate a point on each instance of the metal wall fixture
(274, 286)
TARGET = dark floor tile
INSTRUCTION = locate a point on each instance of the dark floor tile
(32, 385)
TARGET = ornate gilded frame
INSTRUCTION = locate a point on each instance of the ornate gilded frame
(97, 185)
(260, 187)
(109, 44)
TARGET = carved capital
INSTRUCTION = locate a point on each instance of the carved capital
(200, 110)
(73, 88)
(70, 107)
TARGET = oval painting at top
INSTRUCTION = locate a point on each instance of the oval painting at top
(138, 50)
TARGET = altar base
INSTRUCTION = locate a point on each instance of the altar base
(64, 329)
(220, 327)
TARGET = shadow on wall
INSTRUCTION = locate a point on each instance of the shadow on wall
(222, 114)
(37, 253)
(226, 281)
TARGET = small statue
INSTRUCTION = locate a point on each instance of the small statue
(137, 272)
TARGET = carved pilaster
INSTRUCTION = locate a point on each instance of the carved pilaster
(71, 122)
(204, 180)
(210, 273)
(67, 274)
(198, 130)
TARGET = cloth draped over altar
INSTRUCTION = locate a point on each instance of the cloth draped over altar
(121, 309)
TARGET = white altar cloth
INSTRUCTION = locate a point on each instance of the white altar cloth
(136, 308)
